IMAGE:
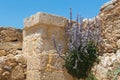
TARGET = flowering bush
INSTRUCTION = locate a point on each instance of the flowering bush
(79, 63)
(83, 41)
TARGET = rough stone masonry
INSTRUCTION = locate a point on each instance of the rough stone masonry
(43, 63)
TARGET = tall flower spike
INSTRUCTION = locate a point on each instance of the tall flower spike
(77, 20)
(88, 30)
(55, 45)
(77, 33)
(70, 17)
(81, 24)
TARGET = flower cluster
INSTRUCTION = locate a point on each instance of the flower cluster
(83, 32)
(84, 37)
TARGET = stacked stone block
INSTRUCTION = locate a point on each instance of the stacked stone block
(43, 63)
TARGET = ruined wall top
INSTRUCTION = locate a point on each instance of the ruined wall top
(45, 19)
(110, 5)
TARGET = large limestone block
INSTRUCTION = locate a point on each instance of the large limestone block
(9, 45)
(33, 63)
(48, 75)
(45, 19)
(37, 62)
(34, 75)
(56, 62)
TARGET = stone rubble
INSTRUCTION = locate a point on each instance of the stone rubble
(12, 61)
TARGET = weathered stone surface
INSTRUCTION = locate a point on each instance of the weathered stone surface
(10, 41)
(45, 19)
(8, 66)
(118, 43)
(9, 63)
(107, 59)
(110, 24)
(106, 63)
(53, 76)
(17, 73)
(44, 58)
(43, 41)
(109, 5)
(9, 45)
(118, 55)
(1, 71)
(100, 72)
(35, 61)
(56, 63)
(2, 53)
(34, 75)
(57, 75)
(5, 75)
(10, 38)
(20, 59)
(10, 35)
(10, 59)
(40, 62)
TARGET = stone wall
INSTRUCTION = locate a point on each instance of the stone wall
(43, 63)
(12, 61)
(110, 60)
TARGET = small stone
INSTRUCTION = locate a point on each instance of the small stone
(17, 73)
(10, 62)
(118, 43)
(20, 59)
(2, 53)
(108, 4)
(7, 68)
(1, 71)
(6, 75)
(108, 59)
(100, 72)
(118, 56)
(109, 7)
(108, 47)
(19, 52)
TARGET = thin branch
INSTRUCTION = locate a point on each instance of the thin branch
(54, 43)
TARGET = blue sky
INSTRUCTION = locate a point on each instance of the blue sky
(13, 12)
